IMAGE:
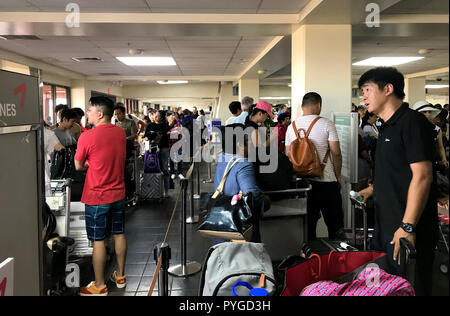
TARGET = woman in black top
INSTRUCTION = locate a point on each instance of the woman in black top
(156, 133)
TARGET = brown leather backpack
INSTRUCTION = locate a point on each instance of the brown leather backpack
(303, 154)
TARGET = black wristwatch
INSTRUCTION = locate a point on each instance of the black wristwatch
(409, 228)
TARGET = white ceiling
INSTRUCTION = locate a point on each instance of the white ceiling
(216, 54)
(160, 6)
(194, 55)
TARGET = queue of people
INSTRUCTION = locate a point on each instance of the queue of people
(403, 146)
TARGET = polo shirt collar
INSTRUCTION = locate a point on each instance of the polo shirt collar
(397, 115)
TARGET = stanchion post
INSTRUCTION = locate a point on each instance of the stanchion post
(197, 172)
(163, 250)
(192, 219)
(185, 268)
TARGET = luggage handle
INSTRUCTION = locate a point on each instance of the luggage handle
(316, 275)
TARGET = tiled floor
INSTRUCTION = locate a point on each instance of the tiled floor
(146, 227)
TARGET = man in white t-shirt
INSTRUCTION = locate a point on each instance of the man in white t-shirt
(325, 196)
(236, 110)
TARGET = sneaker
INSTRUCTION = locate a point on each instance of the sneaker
(181, 176)
(172, 177)
(121, 282)
(92, 290)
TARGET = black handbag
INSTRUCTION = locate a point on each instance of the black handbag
(225, 221)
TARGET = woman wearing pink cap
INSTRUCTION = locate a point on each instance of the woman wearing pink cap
(258, 115)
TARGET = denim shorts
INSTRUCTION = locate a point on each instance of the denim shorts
(105, 219)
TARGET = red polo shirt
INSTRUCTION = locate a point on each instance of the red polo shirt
(104, 148)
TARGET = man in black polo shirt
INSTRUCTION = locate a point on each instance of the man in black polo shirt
(405, 201)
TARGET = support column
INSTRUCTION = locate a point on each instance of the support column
(79, 94)
(225, 98)
(249, 87)
(322, 63)
(415, 90)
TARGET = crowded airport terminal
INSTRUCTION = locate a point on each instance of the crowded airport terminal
(186, 148)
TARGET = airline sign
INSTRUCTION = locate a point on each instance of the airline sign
(19, 99)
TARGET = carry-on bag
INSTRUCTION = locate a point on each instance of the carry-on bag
(319, 263)
(224, 220)
(151, 162)
(230, 264)
(151, 186)
(372, 281)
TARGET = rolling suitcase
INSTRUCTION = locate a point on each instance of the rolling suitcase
(151, 186)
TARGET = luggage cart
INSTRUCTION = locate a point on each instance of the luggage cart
(77, 231)
(59, 203)
(367, 233)
(132, 180)
(289, 214)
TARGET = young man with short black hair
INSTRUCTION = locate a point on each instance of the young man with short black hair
(62, 131)
(101, 151)
(235, 109)
(405, 201)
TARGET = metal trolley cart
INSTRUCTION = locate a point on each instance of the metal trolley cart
(132, 179)
(59, 203)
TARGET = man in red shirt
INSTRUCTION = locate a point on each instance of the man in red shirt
(101, 151)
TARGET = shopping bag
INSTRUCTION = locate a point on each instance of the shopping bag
(151, 162)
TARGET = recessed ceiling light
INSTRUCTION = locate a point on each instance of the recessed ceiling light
(147, 61)
(172, 81)
(436, 86)
(387, 61)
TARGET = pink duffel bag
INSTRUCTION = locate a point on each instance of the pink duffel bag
(371, 281)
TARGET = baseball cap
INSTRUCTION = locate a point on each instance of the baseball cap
(263, 105)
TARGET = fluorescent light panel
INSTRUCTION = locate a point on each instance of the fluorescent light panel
(387, 61)
(275, 98)
(172, 81)
(147, 61)
(436, 86)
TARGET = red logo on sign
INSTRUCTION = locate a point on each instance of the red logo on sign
(21, 89)
(3, 287)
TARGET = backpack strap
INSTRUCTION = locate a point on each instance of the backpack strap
(219, 189)
(312, 125)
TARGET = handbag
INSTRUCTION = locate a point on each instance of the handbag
(225, 221)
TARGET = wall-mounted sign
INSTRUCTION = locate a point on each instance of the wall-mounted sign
(347, 128)
(7, 277)
(18, 95)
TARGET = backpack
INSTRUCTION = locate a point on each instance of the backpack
(303, 154)
(231, 262)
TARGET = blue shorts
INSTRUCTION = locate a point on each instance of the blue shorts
(101, 220)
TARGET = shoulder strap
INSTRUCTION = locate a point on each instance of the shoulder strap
(224, 178)
(311, 126)
(296, 131)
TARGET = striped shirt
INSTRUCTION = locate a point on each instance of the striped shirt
(324, 131)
